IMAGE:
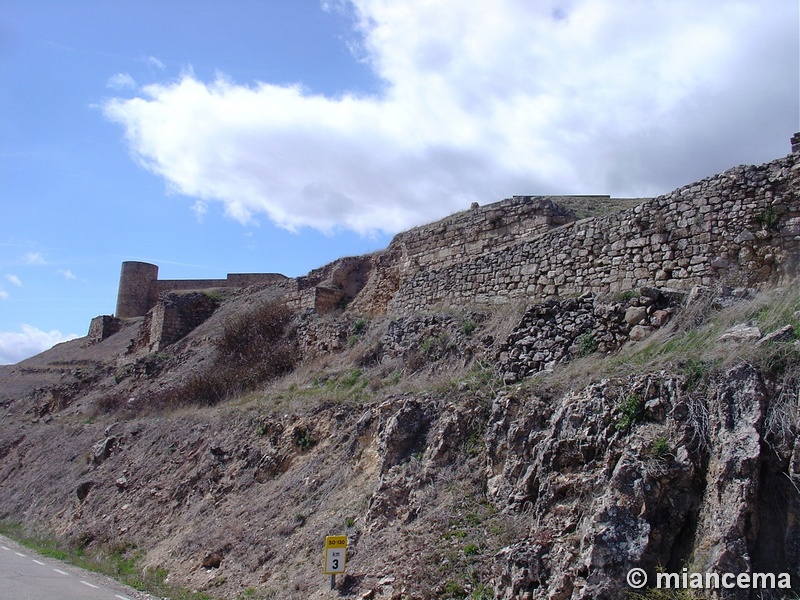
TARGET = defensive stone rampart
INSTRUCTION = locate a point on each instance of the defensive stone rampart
(479, 229)
(140, 288)
(741, 227)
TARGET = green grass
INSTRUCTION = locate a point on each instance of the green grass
(121, 562)
(629, 410)
(660, 447)
(691, 340)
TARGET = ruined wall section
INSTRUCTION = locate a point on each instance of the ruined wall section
(174, 316)
(140, 288)
(233, 280)
(456, 239)
(332, 286)
(479, 229)
(741, 227)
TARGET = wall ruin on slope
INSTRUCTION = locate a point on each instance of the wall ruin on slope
(741, 227)
(140, 288)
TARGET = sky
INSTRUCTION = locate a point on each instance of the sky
(231, 136)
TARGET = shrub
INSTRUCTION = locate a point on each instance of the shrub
(254, 348)
(660, 447)
(586, 344)
(629, 410)
(468, 326)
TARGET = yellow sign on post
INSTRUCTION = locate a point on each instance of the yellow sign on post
(335, 554)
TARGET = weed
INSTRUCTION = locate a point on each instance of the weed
(629, 411)
(471, 549)
(660, 447)
(663, 594)
(626, 296)
(452, 589)
(586, 344)
(696, 371)
(473, 519)
(303, 439)
(350, 379)
(768, 218)
(468, 326)
(481, 592)
(360, 326)
(218, 295)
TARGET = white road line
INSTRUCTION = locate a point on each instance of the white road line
(38, 562)
(91, 585)
(62, 572)
(21, 554)
(4, 548)
(121, 597)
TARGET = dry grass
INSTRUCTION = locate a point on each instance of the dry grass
(691, 343)
(255, 347)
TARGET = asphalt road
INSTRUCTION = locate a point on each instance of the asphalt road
(25, 575)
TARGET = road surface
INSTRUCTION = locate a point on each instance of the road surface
(25, 575)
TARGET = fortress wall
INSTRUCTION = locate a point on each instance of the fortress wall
(479, 229)
(233, 280)
(140, 288)
(741, 227)
(134, 296)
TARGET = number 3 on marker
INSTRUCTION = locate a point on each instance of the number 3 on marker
(335, 554)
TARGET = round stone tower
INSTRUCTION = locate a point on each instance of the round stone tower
(135, 283)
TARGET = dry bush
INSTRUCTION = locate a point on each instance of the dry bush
(254, 348)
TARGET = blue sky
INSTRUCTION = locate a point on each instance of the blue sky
(276, 135)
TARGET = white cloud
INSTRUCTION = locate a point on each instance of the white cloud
(17, 346)
(13, 279)
(34, 258)
(4, 295)
(67, 274)
(569, 96)
(155, 62)
(121, 81)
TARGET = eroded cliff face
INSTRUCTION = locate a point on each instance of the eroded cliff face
(518, 491)
(696, 480)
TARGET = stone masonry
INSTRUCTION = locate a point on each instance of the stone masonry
(140, 288)
(740, 228)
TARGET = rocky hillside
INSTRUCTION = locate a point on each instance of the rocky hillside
(540, 448)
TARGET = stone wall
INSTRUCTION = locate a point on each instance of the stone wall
(173, 316)
(102, 327)
(741, 227)
(140, 288)
(480, 229)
